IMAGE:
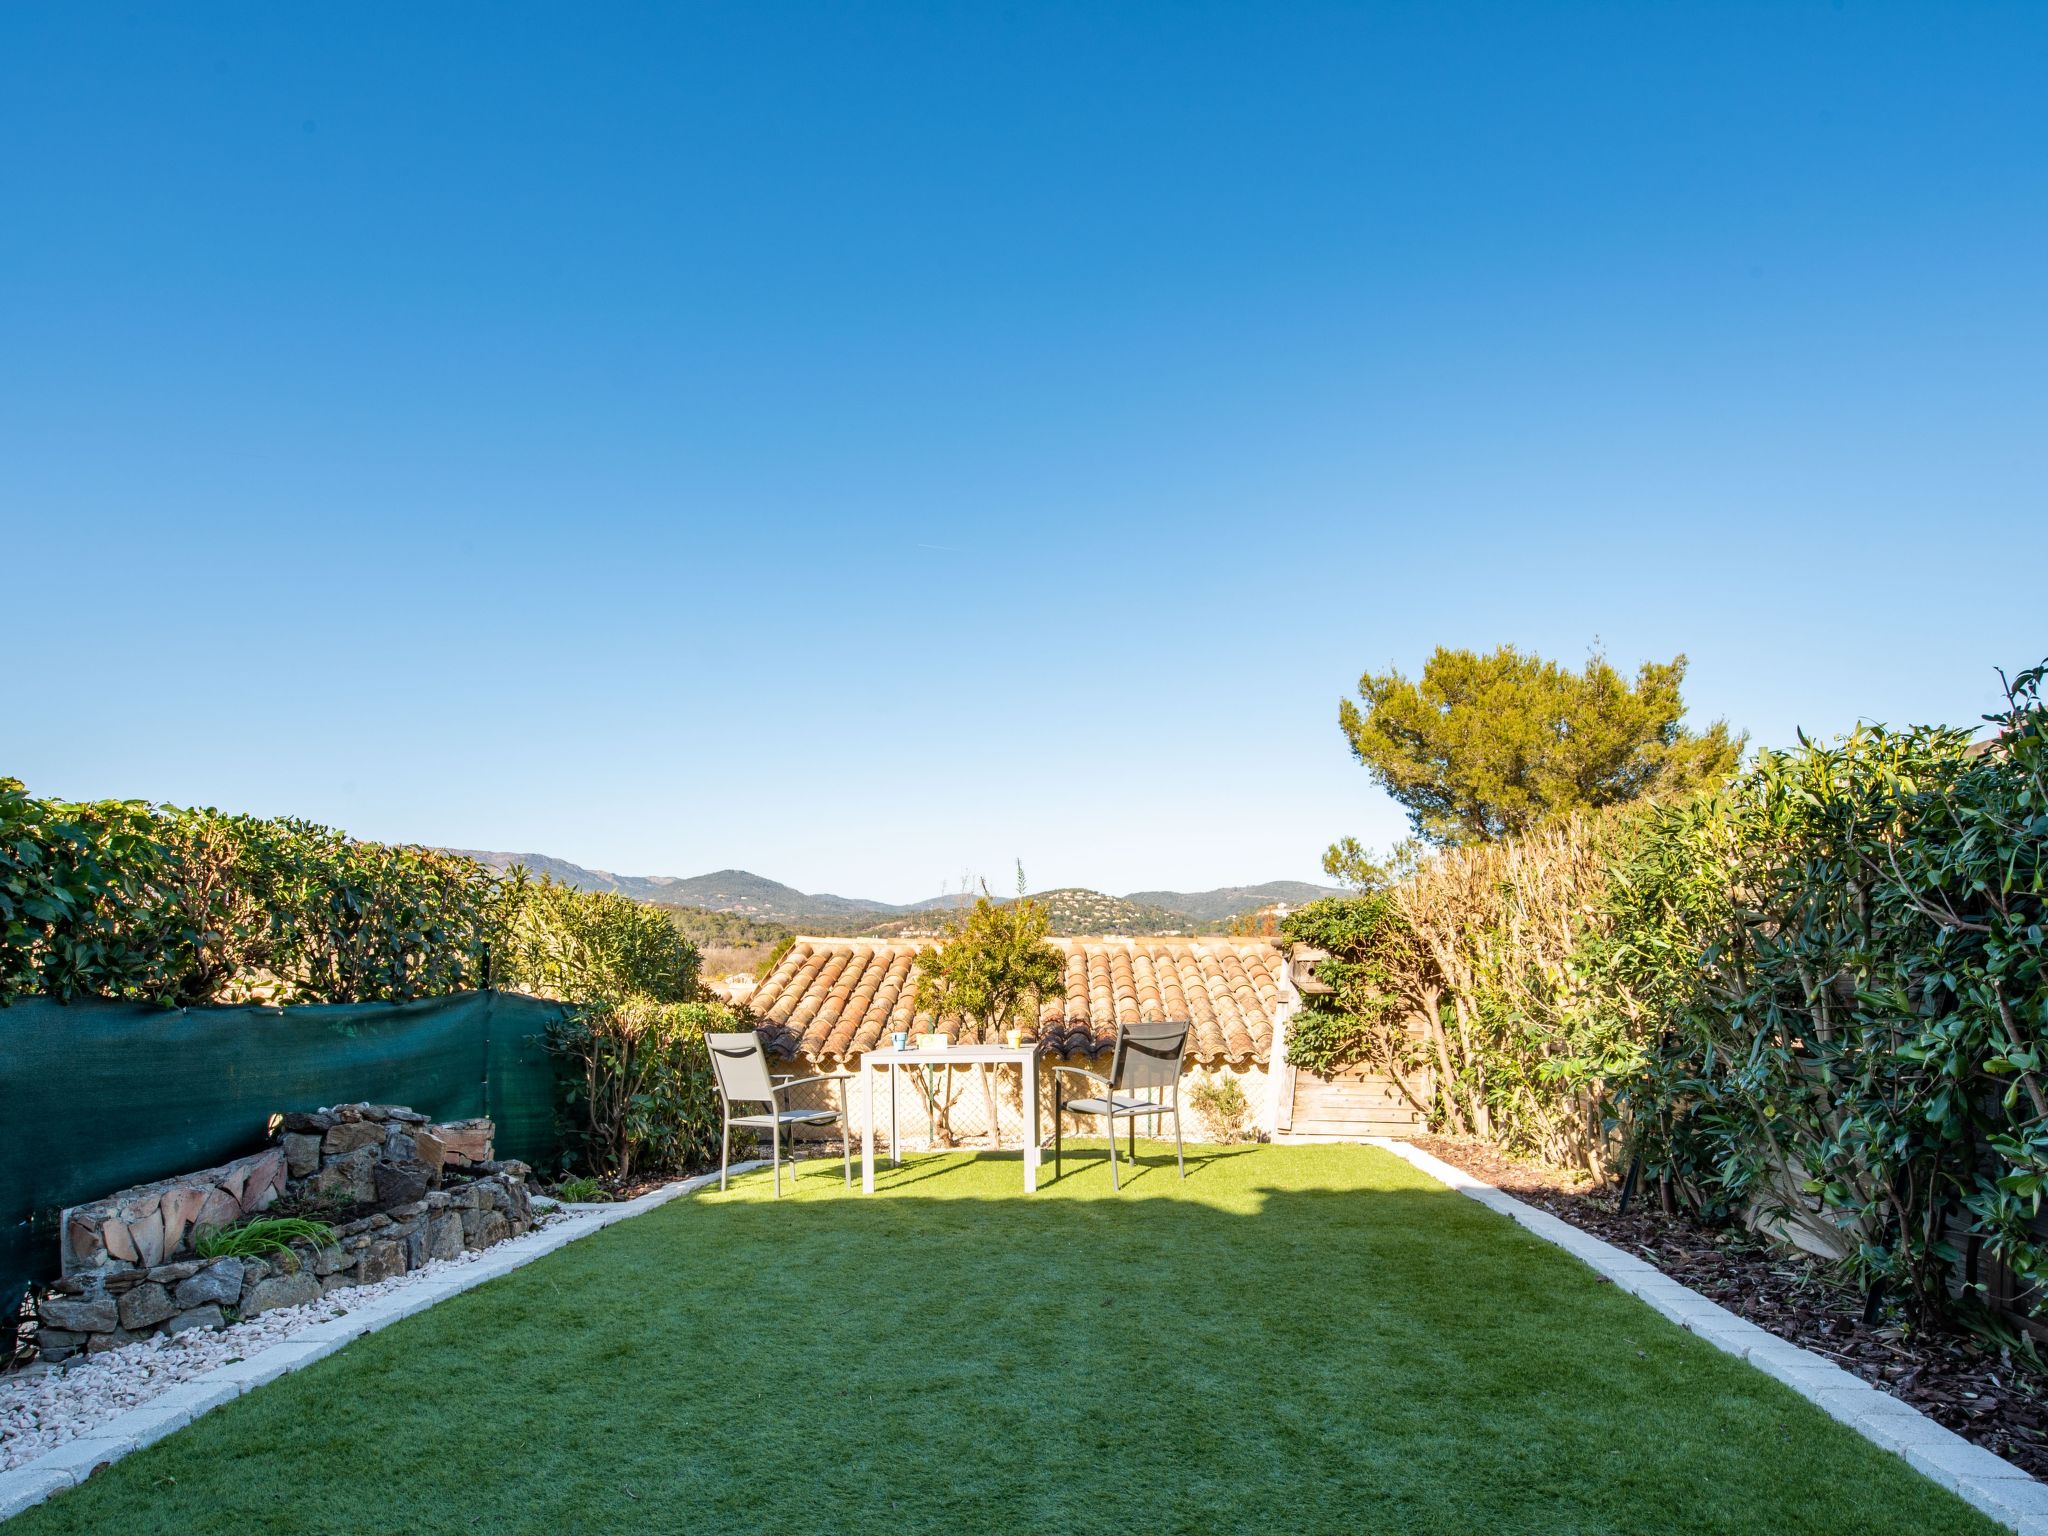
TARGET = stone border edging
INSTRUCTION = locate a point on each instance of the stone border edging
(1986, 1481)
(74, 1461)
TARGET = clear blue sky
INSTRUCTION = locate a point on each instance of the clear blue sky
(866, 444)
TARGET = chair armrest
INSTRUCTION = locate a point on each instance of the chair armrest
(824, 1077)
(1093, 1077)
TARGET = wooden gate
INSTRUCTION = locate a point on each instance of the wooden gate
(1347, 1107)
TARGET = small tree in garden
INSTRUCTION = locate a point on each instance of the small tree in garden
(590, 946)
(639, 1093)
(992, 968)
(1486, 747)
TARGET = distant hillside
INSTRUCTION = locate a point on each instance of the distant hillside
(1074, 911)
(708, 929)
(725, 890)
(1228, 901)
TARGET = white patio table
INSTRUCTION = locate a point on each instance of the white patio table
(1023, 1057)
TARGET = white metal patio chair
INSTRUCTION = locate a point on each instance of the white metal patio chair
(739, 1062)
(1147, 1062)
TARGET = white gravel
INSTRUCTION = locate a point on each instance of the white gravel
(42, 1408)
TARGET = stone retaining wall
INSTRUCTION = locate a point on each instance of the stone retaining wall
(129, 1270)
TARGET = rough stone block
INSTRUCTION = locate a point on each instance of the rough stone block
(429, 1149)
(310, 1122)
(466, 1141)
(351, 1136)
(301, 1154)
(180, 1208)
(147, 1235)
(220, 1209)
(100, 1343)
(220, 1283)
(398, 1112)
(145, 1307)
(119, 1245)
(401, 1183)
(281, 1291)
(174, 1274)
(494, 1228)
(444, 1236)
(82, 1246)
(198, 1317)
(352, 1176)
(94, 1314)
(381, 1260)
(265, 1183)
(55, 1344)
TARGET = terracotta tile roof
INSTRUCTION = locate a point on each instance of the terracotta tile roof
(839, 997)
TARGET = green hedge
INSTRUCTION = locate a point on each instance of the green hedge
(640, 1094)
(1819, 992)
(123, 899)
(1847, 949)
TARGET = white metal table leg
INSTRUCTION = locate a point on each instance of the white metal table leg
(895, 1087)
(1030, 1069)
(867, 1130)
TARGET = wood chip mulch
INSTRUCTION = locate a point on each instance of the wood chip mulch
(1973, 1386)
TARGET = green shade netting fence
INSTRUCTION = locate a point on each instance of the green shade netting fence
(96, 1096)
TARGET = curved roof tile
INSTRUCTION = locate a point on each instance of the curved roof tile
(840, 997)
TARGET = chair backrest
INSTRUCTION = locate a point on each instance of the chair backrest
(740, 1063)
(1148, 1056)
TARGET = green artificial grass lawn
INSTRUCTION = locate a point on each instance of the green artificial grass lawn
(1298, 1338)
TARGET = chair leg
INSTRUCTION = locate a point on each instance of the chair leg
(1132, 1123)
(775, 1155)
(1179, 1156)
(1115, 1182)
(1058, 1114)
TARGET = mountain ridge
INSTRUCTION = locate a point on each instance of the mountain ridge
(751, 895)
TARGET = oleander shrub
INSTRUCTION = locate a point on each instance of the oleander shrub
(1845, 952)
(160, 904)
(1815, 994)
(590, 946)
(638, 1094)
